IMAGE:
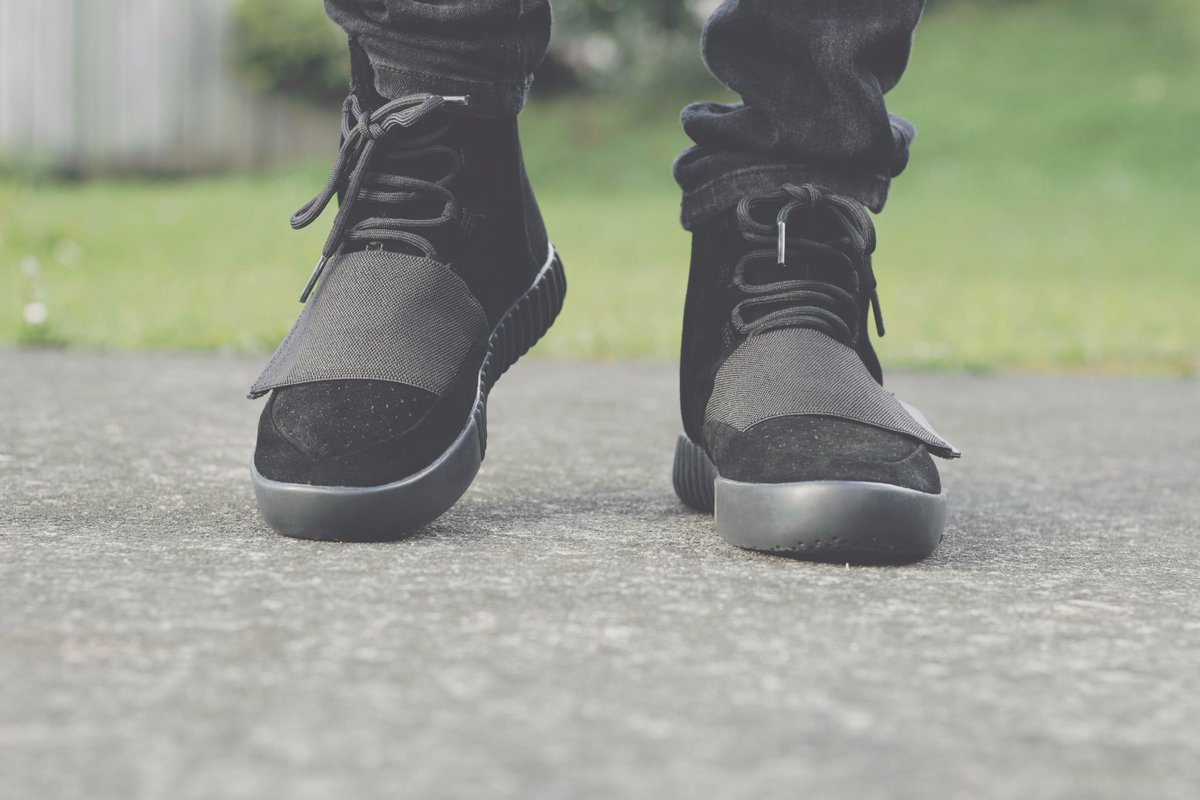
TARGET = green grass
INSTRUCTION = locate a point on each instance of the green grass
(1048, 220)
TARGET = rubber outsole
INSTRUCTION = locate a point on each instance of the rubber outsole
(396, 510)
(840, 521)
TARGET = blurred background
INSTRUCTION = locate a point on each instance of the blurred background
(151, 152)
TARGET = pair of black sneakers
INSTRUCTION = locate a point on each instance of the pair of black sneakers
(438, 275)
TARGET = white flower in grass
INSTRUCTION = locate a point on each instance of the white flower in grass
(599, 52)
(35, 313)
(68, 253)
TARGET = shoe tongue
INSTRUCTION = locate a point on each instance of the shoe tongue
(400, 153)
(805, 261)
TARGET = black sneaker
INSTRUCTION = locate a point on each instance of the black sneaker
(436, 277)
(788, 431)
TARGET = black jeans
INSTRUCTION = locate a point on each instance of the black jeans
(811, 73)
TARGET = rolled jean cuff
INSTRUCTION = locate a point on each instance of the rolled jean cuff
(713, 181)
(722, 193)
(488, 98)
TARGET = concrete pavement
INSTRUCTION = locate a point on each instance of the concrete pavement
(569, 630)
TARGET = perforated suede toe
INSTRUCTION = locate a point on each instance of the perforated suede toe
(794, 449)
(356, 433)
(331, 418)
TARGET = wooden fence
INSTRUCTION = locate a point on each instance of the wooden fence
(101, 85)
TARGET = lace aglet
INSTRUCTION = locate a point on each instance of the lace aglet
(312, 280)
(782, 248)
(457, 99)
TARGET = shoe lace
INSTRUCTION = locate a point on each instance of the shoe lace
(806, 302)
(361, 134)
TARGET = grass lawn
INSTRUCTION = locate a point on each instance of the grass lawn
(1049, 219)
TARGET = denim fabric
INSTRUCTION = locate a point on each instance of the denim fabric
(811, 74)
(487, 49)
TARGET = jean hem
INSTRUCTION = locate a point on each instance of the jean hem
(488, 98)
(720, 194)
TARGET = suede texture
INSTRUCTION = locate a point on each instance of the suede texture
(782, 449)
(360, 433)
(708, 335)
(815, 448)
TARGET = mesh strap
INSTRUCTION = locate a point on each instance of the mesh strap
(384, 316)
(797, 371)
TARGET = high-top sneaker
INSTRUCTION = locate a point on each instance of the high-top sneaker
(436, 277)
(789, 434)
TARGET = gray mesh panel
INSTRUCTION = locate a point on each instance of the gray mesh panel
(795, 371)
(381, 316)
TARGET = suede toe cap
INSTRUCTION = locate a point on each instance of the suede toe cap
(354, 433)
(795, 449)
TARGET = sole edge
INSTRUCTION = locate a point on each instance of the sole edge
(836, 521)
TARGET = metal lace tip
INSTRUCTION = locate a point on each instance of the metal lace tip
(312, 279)
(782, 244)
(878, 310)
(457, 99)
